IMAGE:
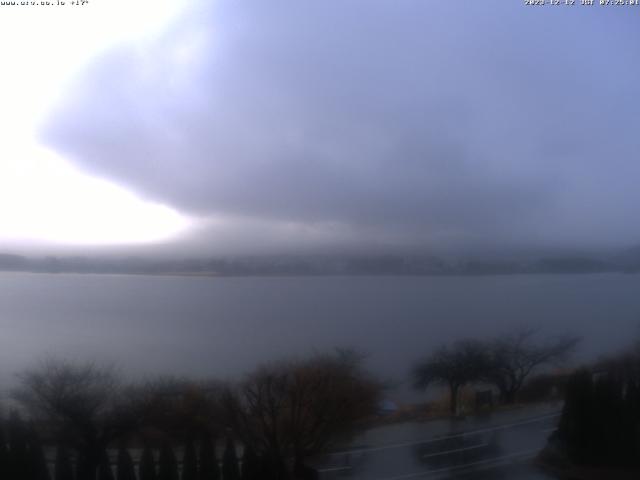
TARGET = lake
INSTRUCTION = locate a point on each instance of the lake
(223, 327)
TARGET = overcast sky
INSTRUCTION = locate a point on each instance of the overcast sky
(246, 126)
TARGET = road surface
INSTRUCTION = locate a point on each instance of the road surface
(496, 446)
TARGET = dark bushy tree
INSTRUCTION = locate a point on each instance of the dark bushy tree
(147, 466)
(304, 472)
(104, 469)
(126, 469)
(600, 423)
(63, 469)
(230, 468)
(18, 461)
(273, 468)
(4, 454)
(189, 462)
(87, 464)
(37, 460)
(250, 465)
(576, 426)
(167, 464)
(209, 469)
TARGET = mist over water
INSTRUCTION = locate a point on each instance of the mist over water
(224, 327)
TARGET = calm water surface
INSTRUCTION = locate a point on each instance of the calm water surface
(225, 326)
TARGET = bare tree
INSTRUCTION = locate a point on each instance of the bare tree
(456, 366)
(291, 410)
(84, 403)
(515, 356)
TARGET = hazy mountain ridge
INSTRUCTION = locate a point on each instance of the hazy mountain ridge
(627, 261)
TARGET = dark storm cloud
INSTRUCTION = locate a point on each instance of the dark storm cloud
(420, 120)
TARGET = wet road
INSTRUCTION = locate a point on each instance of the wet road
(496, 446)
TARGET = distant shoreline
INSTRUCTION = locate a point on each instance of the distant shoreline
(313, 275)
(326, 265)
